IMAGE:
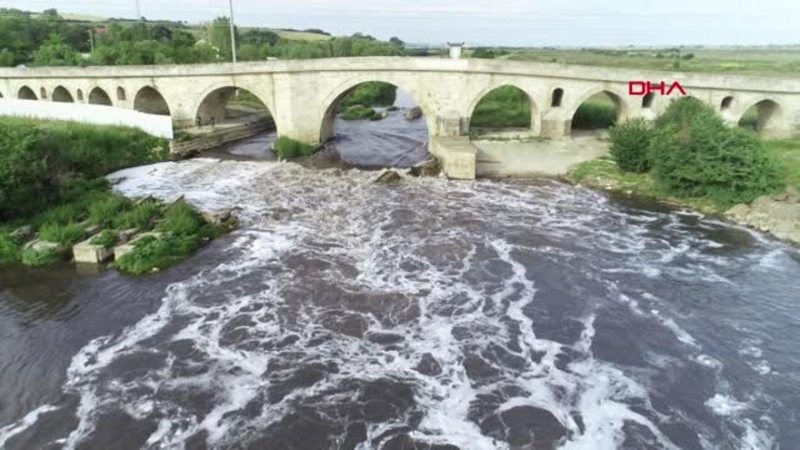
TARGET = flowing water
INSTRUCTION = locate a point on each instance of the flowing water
(426, 314)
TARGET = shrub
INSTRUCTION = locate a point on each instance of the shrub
(139, 217)
(373, 93)
(287, 148)
(107, 239)
(679, 112)
(697, 155)
(629, 145)
(358, 112)
(69, 233)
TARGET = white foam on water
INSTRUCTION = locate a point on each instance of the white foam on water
(21, 425)
(725, 406)
(472, 291)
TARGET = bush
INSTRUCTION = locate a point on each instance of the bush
(629, 145)
(359, 112)
(31, 257)
(287, 148)
(66, 234)
(373, 93)
(695, 154)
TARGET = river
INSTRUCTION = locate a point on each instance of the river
(426, 314)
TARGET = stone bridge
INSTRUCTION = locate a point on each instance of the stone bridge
(302, 95)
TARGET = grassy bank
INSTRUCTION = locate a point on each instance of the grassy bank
(504, 107)
(53, 195)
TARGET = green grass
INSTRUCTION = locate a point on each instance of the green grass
(756, 61)
(787, 153)
(34, 258)
(107, 239)
(9, 247)
(504, 107)
(106, 208)
(598, 112)
(140, 216)
(69, 233)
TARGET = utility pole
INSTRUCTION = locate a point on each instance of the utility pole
(138, 11)
(233, 33)
(91, 40)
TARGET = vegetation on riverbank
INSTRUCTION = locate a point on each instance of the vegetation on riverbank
(53, 194)
(689, 156)
(597, 112)
(359, 112)
(287, 148)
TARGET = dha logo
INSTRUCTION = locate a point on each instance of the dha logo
(638, 88)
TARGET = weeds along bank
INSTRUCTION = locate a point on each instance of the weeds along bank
(53, 198)
(689, 156)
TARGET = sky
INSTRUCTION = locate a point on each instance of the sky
(533, 23)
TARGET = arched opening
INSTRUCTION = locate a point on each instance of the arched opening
(42, 93)
(726, 103)
(597, 112)
(98, 96)
(502, 110)
(231, 105)
(762, 116)
(647, 100)
(149, 101)
(26, 93)
(61, 94)
(80, 95)
(121, 94)
(558, 95)
(376, 124)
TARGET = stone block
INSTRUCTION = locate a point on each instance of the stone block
(86, 252)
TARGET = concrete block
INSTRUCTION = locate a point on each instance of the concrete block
(86, 252)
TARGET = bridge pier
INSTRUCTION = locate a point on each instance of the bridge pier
(555, 126)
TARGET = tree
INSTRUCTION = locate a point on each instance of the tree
(397, 41)
(219, 35)
(7, 58)
(55, 52)
(249, 52)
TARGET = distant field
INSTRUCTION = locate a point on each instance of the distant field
(300, 35)
(756, 61)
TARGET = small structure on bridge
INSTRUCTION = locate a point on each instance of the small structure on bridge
(456, 48)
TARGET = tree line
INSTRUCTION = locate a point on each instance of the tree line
(47, 39)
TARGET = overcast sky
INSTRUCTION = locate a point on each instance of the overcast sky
(495, 22)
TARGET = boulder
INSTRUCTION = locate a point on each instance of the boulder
(217, 218)
(388, 177)
(22, 233)
(414, 113)
(429, 168)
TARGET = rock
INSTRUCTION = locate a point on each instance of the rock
(91, 230)
(388, 177)
(86, 252)
(392, 108)
(429, 168)
(41, 246)
(22, 233)
(414, 113)
(123, 249)
(217, 218)
(777, 214)
(127, 235)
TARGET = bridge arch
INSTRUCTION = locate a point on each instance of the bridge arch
(98, 96)
(593, 109)
(762, 116)
(62, 95)
(332, 103)
(524, 115)
(215, 107)
(26, 93)
(149, 101)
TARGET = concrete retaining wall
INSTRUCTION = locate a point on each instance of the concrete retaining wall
(160, 126)
(218, 137)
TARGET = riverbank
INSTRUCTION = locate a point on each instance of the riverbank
(777, 214)
(56, 205)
